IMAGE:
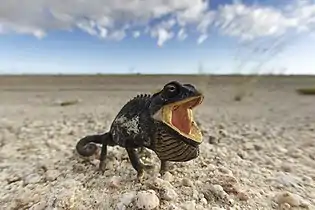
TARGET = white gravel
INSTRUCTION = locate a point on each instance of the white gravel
(258, 153)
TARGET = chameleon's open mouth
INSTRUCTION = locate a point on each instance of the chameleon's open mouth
(179, 116)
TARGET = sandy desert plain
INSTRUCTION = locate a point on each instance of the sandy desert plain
(258, 153)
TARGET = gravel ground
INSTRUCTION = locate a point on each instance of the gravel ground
(258, 153)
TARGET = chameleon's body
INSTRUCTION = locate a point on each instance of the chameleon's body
(149, 121)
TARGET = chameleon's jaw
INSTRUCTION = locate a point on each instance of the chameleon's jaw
(179, 116)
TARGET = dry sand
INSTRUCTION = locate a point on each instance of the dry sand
(258, 153)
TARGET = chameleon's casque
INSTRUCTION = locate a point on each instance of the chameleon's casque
(162, 122)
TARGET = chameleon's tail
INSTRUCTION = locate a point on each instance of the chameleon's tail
(87, 145)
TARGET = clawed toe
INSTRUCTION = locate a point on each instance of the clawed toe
(148, 166)
(140, 176)
(102, 167)
(162, 172)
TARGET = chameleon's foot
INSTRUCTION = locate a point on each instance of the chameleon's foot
(102, 167)
(148, 167)
(99, 172)
(140, 176)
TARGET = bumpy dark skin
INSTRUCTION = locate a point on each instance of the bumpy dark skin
(135, 127)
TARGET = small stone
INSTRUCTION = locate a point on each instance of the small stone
(248, 146)
(114, 181)
(218, 191)
(52, 174)
(125, 200)
(168, 194)
(286, 168)
(211, 167)
(304, 204)
(225, 170)
(95, 162)
(173, 207)
(258, 147)
(187, 182)
(32, 179)
(203, 201)
(195, 194)
(285, 206)
(289, 198)
(158, 183)
(242, 196)
(223, 133)
(281, 149)
(307, 179)
(168, 176)
(189, 205)
(147, 200)
(221, 126)
(213, 140)
(228, 182)
(217, 208)
(242, 154)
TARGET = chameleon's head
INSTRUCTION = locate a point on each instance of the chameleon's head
(174, 106)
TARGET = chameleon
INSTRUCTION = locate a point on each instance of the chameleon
(162, 122)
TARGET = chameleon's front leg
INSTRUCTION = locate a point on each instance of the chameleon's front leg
(136, 163)
(103, 155)
(164, 167)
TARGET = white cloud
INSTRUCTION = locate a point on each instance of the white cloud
(115, 19)
(182, 35)
(202, 38)
(136, 34)
(163, 35)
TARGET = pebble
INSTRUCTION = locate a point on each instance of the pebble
(286, 167)
(125, 200)
(189, 205)
(114, 181)
(289, 198)
(281, 149)
(168, 176)
(168, 194)
(158, 183)
(258, 147)
(52, 174)
(228, 182)
(248, 146)
(32, 179)
(217, 208)
(213, 140)
(147, 200)
(242, 196)
(225, 170)
(218, 191)
(187, 182)
(203, 201)
(211, 167)
(173, 207)
(95, 162)
(285, 206)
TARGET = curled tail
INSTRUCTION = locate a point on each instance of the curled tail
(87, 145)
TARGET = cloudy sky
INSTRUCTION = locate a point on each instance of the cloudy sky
(157, 36)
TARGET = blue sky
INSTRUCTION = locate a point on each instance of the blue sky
(107, 36)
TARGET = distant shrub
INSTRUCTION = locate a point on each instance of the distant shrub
(306, 91)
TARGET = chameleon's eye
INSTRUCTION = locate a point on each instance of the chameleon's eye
(171, 90)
